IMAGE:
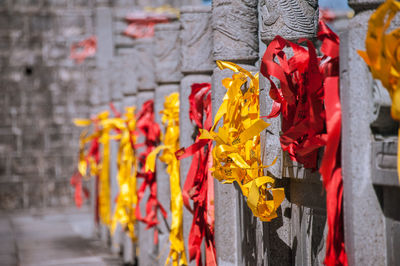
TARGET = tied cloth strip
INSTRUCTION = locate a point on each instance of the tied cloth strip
(100, 165)
(311, 118)
(147, 126)
(170, 119)
(236, 156)
(141, 23)
(199, 184)
(84, 49)
(382, 55)
(126, 201)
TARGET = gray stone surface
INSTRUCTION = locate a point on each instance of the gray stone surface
(361, 198)
(53, 237)
(235, 30)
(42, 91)
(291, 19)
(167, 53)
(196, 38)
(145, 59)
(104, 36)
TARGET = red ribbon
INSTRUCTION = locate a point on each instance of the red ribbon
(151, 131)
(81, 50)
(199, 182)
(141, 24)
(76, 182)
(299, 100)
(311, 118)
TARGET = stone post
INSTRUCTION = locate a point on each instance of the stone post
(235, 39)
(369, 141)
(103, 57)
(128, 85)
(168, 77)
(197, 67)
(116, 93)
(299, 227)
(144, 61)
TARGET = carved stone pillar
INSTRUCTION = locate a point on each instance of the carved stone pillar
(370, 183)
(235, 39)
(168, 75)
(299, 227)
(291, 19)
(146, 84)
(197, 66)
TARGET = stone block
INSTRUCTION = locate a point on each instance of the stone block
(104, 36)
(291, 19)
(145, 59)
(235, 29)
(196, 39)
(167, 52)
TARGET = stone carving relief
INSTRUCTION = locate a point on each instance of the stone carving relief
(235, 25)
(196, 37)
(291, 19)
(167, 53)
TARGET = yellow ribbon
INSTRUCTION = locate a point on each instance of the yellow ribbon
(382, 55)
(237, 151)
(127, 169)
(103, 168)
(170, 119)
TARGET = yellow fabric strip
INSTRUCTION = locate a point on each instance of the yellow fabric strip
(170, 145)
(236, 155)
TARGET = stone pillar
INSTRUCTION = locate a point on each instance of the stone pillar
(168, 77)
(128, 83)
(235, 39)
(116, 93)
(296, 236)
(197, 66)
(144, 61)
(103, 57)
(370, 184)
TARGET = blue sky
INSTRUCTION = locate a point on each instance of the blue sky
(334, 4)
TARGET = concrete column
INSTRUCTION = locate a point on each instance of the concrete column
(235, 39)
(197, 66)
(168, 77)
(296, 236)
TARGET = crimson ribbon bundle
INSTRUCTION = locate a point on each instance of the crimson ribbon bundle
(308, 100)
(151, 131)
(199, 184)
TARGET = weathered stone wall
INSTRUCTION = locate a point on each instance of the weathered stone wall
(42, 90)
